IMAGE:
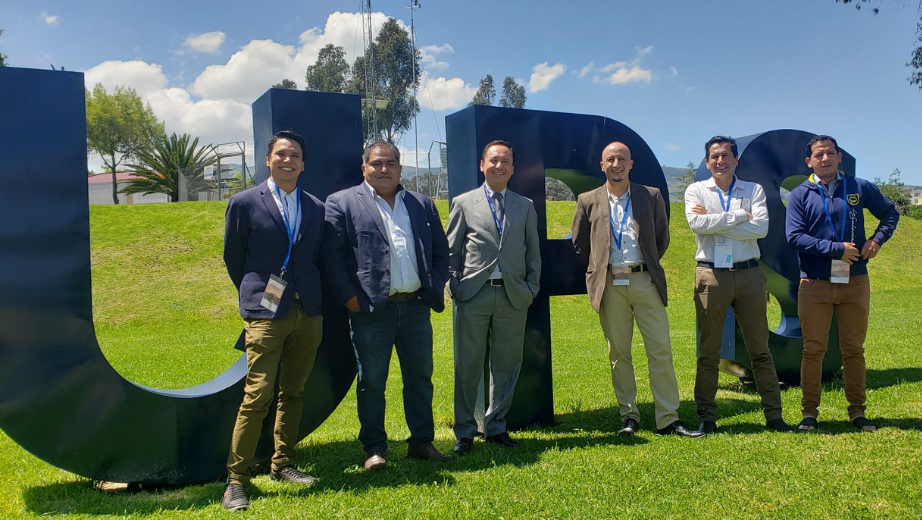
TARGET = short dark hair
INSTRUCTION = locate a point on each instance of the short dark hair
(379, 144)
(720, 139)
(285, 134)
(818, 138)
(498, 142)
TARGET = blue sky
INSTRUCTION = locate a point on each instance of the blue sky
(676, 72)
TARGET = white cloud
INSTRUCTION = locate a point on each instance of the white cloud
(671, 147)
(444, 94)
(209, 42)
(583, 72)
(50, 19)
(624, 72)
(625, 75)
(429, 53)
(675, 71)
(543, 74)
(142, 76)
(248, 73)
(261, 63)
(212, 121)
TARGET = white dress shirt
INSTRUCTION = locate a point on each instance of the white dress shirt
(723, 227)
(404, 269)
(630, 247)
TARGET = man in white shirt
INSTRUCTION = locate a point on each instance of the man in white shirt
(388, 263)
(728, 216)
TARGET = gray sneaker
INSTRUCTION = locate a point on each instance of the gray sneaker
(291, 474)
(235, 498)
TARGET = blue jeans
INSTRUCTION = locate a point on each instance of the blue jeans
(405, 326)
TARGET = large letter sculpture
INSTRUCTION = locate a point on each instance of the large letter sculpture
(775, 160)
(59, 397)
(567, 147)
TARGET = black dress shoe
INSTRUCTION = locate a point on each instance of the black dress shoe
(502, 439)
(779, 426)
(426, 452)
(678, 428)
(629, 426)
(707, 427)
(464, 446)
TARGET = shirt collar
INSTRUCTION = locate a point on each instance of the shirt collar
(490, 192)
(712, 184)
(401, 192)
(626, 195)
(274, 188)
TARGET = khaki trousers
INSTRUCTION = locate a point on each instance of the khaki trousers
(278, 350)
(621, 305)
(816, 301)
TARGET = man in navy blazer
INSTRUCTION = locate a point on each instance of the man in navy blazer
(388, 266)
(272, 245)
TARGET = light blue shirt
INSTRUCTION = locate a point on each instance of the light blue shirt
(497, 273)
(287, 205)
(629, 254)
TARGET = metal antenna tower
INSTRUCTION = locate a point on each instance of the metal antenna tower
(414, 5)
(370, 91)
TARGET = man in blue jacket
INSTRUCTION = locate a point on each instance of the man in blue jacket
(825, 224)
(272, 245)
(388, 266)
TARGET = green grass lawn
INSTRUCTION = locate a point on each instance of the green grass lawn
(166, 316)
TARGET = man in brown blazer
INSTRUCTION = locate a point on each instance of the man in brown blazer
(621, 231)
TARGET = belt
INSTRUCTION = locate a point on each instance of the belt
(403, 296)
(634, 268)
(738, 266)
(495, 282)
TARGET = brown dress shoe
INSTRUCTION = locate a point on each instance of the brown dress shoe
(375, 461)
(426, 452)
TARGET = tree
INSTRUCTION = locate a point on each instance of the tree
(895, 191)
(118, 127)
(330, 72)
(686, 180)
(485, 93)
(915, 64)
(394, 63)
(513, 94)
(159, 167)
(286, 83)
(2, 56)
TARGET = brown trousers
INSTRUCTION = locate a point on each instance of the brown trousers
(816, 301)
(715, 291)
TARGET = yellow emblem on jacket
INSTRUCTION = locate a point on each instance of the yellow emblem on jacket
(853, 199)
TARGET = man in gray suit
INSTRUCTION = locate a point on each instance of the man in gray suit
(620, 232)
(494, 265)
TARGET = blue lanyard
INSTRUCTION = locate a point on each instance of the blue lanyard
(499, 225)
(290, 228)
(838, 234)
(611, 219)
(726, 207)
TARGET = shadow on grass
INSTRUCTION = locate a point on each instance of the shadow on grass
(82, 497)
(883, 378)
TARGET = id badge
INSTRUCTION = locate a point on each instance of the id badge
(273, 294)
(723, 256)
(620, 275)
(839, 272)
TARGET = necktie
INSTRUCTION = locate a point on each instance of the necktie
(500, 210)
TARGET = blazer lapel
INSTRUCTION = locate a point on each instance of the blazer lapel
(371, 207)
(483, 207)
(605, 209)
(511, 207)
(272, 208)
